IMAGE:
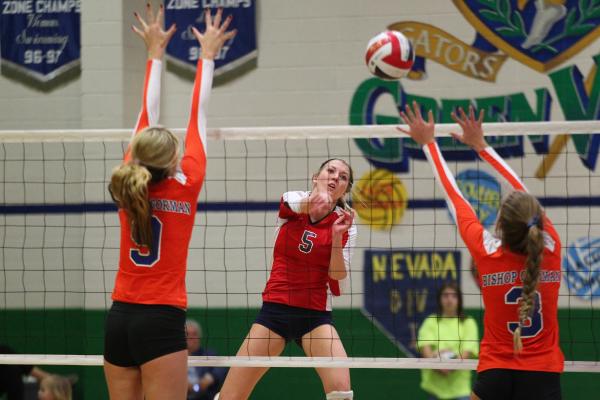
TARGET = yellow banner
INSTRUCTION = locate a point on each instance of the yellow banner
(437, 45)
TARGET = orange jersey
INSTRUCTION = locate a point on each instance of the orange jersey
(500, 274)
(158, 276)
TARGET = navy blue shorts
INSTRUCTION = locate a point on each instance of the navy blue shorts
(291, 323)
(511, 384)
(137, 333)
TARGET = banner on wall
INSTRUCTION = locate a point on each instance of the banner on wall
(400, 289)
(184, 50)
(40, 38)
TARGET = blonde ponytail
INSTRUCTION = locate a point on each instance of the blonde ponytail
(520, 226)
(129, 189)
(535, 247)
(154, 152)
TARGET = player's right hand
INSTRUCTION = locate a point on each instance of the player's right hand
(320, 204)
(419, 130)
(152, 33)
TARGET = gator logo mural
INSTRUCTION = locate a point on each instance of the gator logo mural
(541, 34)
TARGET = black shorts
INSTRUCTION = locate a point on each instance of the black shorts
(137, 333)
(511, 384)
(291, 323)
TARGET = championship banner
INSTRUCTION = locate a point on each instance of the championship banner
(401, 287)
(40, 38)
(184, 50)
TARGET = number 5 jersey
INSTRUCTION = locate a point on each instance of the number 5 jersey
(300, 272)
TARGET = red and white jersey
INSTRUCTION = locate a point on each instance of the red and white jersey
(500, 275)
(158, 276)
(301, 256)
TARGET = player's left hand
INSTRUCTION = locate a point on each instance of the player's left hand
(343, 223)
(215, 35)
(420, 131)
(472, 130)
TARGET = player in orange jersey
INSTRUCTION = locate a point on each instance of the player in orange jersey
(519, 272)
(311, 262)
(145, 352)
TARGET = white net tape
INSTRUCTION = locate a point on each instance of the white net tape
(313, 132)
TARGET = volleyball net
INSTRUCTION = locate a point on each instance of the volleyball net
(59, 236)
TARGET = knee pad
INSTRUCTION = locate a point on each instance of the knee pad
(339, 395)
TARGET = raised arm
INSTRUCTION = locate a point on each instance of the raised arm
(478, 240)
(156, 40)
(193, 163)
(472, 135)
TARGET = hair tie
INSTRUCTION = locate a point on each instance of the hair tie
(533, 221)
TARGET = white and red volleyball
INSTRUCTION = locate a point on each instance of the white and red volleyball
(390, 55)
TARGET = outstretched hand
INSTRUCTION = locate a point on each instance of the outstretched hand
(152, 33)
(215, 35)
(420, 131)
(472, 129)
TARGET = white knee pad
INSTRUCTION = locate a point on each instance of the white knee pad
(216, 396)
(339, 395)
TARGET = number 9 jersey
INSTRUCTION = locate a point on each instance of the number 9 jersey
(157, 276)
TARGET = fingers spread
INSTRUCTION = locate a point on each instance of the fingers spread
(140, 20)
(471, 113)
(230, 35)
(456, 136)
(403, 130)
(208, 18)
(137, 31)
(409, 112)
(463, 115)
(417, 109)
(481, 115)
(218, 16)
(405, 118)
(197, 33)
(170, 32)
(160, 15)
(226, 23)
(149, 13)
(430, 117)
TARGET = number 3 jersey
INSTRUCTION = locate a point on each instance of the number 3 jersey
(501, 275)
(157, 275)
(301, 255)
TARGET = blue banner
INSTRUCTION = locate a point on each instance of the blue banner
(184, 49)
(401, 287)
(40, 38)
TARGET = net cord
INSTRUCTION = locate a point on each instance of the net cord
(285, 362)
(310, 132)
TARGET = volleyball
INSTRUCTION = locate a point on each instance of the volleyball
(390, 55)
